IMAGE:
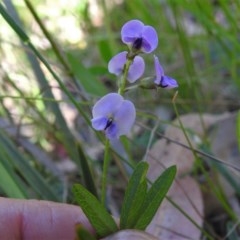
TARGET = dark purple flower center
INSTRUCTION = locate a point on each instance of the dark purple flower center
(137, 44)
(109, 123)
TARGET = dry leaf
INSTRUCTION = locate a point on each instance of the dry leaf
(170, 223)
(165, 153)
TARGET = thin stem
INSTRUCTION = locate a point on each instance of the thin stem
(183, 128)
(123, 80)
(151, 138)
(105, 171)
(107, 23)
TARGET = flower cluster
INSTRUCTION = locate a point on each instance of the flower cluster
(112, 113)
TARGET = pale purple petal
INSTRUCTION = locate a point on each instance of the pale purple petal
(158, 70)
(112, 131)
(125, 117)
(150, 39)
(139, 36)
(99, 123)
(136, 69)
(107, 105)
(131, 30)
(116, 64)
(114, 115)
(168, 82)
(161, 80)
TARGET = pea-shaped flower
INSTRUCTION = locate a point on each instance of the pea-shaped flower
(162, 80)
(114, 115)
(136, 69)
(139, 36)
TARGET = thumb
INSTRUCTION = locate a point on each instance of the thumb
(39, 220)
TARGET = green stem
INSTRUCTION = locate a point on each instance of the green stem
(123, 80)
(105, 171)
(107, 23)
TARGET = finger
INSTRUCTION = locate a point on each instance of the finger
(39, 220)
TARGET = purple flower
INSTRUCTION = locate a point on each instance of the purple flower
(136, 69)
(114, 115)
(161, 80)
(139, 36)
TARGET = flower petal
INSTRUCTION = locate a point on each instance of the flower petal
(112, 131)
(136, 69)
(99, 123)
(114, 115)
(131, 30)
(116, 64)
(107, 105)
(150, 39)
(159, 70)
(168, 82)
(125, 117)
(161, 80)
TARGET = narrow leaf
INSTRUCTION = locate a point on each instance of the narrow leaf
(100, 219)
(29, 173)
(134, 196)
(83, 233)
(65, 134)
(86, 172)
(13, 24)
(155, 196)
(8, 183)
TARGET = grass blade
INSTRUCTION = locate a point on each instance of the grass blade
(66, 136)
(21, 163)
(9, 182)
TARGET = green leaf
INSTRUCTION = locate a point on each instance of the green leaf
(28, 172)
(134, 196)
(105, 50)
(65, 134)
(83, 233)
(13, 24)
(100, 219)
(86, 172)
(88, 81)
(155, 196)
(9, 184)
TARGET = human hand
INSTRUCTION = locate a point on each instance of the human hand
(39, 220)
